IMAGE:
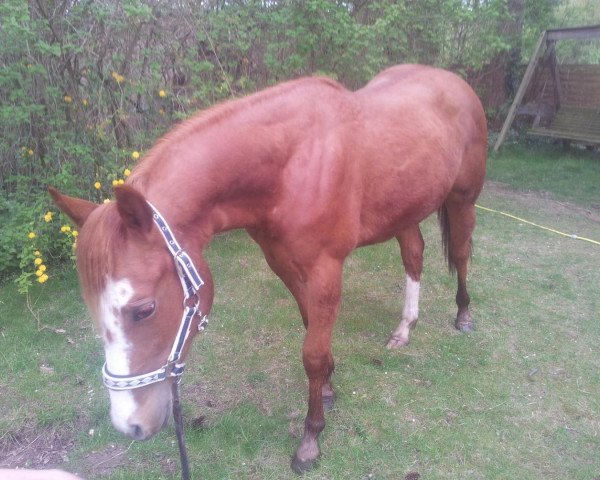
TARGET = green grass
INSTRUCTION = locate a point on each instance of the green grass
(572, 175)
(519, 398)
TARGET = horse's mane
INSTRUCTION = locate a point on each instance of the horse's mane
(215, 114)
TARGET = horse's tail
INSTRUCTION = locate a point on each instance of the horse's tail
(444, 220)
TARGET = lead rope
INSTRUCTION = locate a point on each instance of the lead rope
(185, 466)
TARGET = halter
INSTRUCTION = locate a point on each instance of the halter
(191, 283)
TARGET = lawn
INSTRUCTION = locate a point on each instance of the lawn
(518, 398)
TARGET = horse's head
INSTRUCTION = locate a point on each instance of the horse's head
(131, 286)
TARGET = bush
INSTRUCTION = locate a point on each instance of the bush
(83, 84)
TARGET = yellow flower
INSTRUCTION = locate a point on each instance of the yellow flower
(30, 152)
(37, 253)
(135, 154)
(43, 278)
(115, 183)
(31, 235)
(97, 185)
(118, 78)
(38, 261)
(162, 94)
(84, 102)
(65, 229)
(39, 273)
(48, 217)
(126, 172)
(120, 181)
(68, 99)
(75, 233)
(106, 200)
(42, 268)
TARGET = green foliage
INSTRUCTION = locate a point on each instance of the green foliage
(83, 84)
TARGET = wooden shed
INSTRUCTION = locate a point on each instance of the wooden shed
(562, 100)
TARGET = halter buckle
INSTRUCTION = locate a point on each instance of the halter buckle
(192, 301)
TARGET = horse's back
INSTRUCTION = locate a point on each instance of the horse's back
(418, 92)
(423, 136)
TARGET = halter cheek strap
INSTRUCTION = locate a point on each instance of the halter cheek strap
(191, 282)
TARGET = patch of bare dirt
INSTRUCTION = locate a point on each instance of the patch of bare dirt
(103, 462)
(551, 204)
(51, 448)
(32, 448)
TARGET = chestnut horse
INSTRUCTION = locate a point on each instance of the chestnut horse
(311, 171)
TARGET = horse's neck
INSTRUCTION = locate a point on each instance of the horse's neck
(218, 180)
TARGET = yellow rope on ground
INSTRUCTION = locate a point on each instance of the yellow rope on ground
(576, 237)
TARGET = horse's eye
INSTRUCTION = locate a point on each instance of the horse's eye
(143, 311)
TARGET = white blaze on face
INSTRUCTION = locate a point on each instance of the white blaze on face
(117, 347)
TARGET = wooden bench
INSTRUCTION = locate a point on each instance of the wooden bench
(573, 123)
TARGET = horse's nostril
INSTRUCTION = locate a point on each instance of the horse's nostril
(136, 432)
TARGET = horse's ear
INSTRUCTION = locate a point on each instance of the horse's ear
(76, 208)
(134, 209)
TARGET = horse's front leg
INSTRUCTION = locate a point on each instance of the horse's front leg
(321, 302)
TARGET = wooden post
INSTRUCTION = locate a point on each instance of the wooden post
(553, 64)
(520, 92)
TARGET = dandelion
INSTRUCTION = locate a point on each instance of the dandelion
(120, 181)
(115, 183)
(162, 94)
(97, 185)
(31, 235)
(65, 229)
(135, 154)
(37, 253)
(48, 217)
(39, 273)
(75, 233)
(84, 102)
(43, 278)
(68, 98)
(118, 78)
(126, 172)
(42, 268)
(30, 152)
(38, 261)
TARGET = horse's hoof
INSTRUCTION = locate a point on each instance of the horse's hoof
(328, 402)
(397, 342)
(302, 466)
(466, 327)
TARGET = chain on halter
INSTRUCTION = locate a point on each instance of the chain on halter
(191, 282)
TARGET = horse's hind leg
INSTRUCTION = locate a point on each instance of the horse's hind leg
(458, 222)
(411, 248)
